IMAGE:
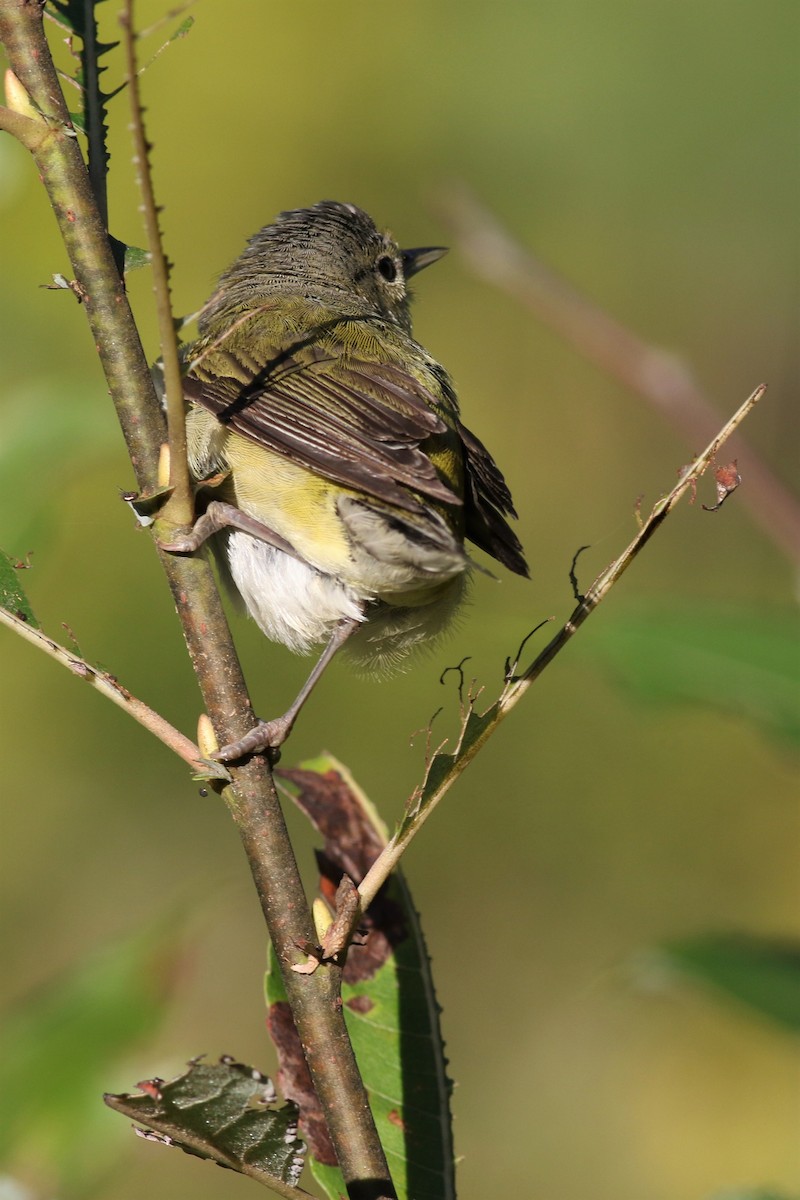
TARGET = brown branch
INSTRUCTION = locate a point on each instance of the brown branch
(109, 687)
(26, 130)
(654, 374)
(252, 800)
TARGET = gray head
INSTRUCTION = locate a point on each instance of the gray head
(332, 254)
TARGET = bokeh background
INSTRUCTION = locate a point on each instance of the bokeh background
(649, 153)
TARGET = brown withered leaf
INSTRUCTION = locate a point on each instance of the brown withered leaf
(351, 845)
(294, 1080)
(351, 842)
(727, 480)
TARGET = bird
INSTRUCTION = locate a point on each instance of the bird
(340, 485)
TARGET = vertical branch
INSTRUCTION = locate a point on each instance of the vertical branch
(38, 116)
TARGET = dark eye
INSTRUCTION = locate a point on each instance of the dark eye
(387, 268)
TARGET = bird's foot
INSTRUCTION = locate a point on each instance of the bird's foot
(265, 737)
(182, 543)
(219, 516)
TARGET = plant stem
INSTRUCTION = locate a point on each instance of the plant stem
(108, 687)
(180, 505)
(252, 801)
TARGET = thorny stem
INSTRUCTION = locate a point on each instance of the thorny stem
(179, 507)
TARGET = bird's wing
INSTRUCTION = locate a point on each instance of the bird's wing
(487, 502)
(361, 424)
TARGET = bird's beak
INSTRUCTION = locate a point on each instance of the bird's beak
(416, 260)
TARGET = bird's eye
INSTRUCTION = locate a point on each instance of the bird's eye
(387, 268)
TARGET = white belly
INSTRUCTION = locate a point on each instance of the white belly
(291, 602)
(299, 606)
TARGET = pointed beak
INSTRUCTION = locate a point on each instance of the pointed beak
(417, 260)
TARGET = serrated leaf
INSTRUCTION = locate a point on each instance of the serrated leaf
(78, 16)
(745, 663)
(225, 1112)
(393, 1021)
(389, 1001)
(57, 14)
(12, 594)
(762, 973)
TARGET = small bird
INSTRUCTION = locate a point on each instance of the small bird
(343, 483)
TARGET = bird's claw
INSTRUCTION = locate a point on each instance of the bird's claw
(264, 738)
(180, 544)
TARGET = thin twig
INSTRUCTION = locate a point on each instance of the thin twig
(659, 377)
(179, 508)
(109, 687)
(25, 129)
(444, 769)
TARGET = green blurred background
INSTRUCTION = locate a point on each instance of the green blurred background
(649, 152)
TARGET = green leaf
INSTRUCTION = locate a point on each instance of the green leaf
(59, 16)
(182, 30)
(12, 595)
(133, 258)
(740, 662)
(136, 258)
(388, 997)
(762, 973)
(474, 726)
(58, 1046)
(224, 1112)
(394, 1025)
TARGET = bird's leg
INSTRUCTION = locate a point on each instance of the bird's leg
(269, 735)
(220, 515)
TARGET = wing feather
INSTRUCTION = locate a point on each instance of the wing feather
(370, 426)
(360, 425)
